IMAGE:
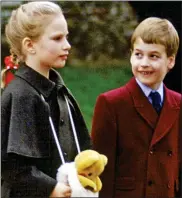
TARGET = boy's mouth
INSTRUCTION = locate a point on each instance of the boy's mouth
(145, 73)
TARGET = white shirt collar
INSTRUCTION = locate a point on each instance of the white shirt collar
(146, 90)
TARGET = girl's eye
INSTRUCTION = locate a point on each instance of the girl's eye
(57, 38)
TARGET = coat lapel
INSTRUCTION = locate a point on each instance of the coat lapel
(168, 116)
(141, 103)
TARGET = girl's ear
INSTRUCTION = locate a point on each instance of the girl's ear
(171, 62)
(27, 46)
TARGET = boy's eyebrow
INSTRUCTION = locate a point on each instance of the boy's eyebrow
(149, 51)
(154, 52)
(137, 49)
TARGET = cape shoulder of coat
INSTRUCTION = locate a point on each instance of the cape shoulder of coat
(25, 128)
(24, 121)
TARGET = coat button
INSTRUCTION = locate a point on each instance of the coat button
(169, 153)
(150, 182)
(152, 151)
(168, 185)
(61, 122)
(65, 154)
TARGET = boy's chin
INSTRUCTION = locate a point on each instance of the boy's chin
(153, 86)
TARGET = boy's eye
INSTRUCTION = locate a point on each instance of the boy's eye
(154, 56)
(138, 55)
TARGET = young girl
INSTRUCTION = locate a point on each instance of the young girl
(37, 34)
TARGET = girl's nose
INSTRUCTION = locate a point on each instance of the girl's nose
(67, 45)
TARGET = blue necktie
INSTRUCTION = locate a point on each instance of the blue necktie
(156, 101)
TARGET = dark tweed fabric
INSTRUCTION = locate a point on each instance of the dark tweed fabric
(29, 155)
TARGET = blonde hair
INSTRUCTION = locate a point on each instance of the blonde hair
(3, 74)
(158, 31)
(29, 20)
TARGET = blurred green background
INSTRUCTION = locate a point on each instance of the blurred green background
(87, 83)
(99, 32)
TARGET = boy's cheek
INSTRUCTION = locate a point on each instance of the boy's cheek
(131, 59)
(133, 70)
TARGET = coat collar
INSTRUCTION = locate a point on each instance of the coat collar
(147, 90)
(38, 81)
(141, 103)
(169, 113)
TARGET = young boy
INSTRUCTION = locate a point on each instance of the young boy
(137, 126)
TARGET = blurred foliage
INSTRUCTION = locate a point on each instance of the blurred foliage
(87, 83)
(99, 31)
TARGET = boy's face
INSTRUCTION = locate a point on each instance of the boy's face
(150, 63)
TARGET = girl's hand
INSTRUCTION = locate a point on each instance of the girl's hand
(61, 190)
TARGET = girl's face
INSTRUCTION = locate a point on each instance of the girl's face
(150, 63)
(52, 48)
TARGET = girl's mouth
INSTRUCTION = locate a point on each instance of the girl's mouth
(64, 57)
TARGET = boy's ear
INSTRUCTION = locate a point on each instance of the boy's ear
(27, 45)
(131, 51)
(171, 62)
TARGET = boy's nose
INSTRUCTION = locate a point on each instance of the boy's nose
(145, 62)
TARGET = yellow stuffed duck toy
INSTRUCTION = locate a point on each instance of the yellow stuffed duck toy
(83, 174)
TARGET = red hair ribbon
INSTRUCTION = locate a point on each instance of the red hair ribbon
(8, 75)
(9, 63)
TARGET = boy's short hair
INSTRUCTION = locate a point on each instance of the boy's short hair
(158, 31)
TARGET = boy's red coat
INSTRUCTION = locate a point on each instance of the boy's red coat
(142, 148)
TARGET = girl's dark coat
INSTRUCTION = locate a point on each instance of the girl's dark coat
(29, 155)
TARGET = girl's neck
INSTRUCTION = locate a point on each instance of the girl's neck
(43, 70)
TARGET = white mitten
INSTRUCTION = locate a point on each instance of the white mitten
(67, 174)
